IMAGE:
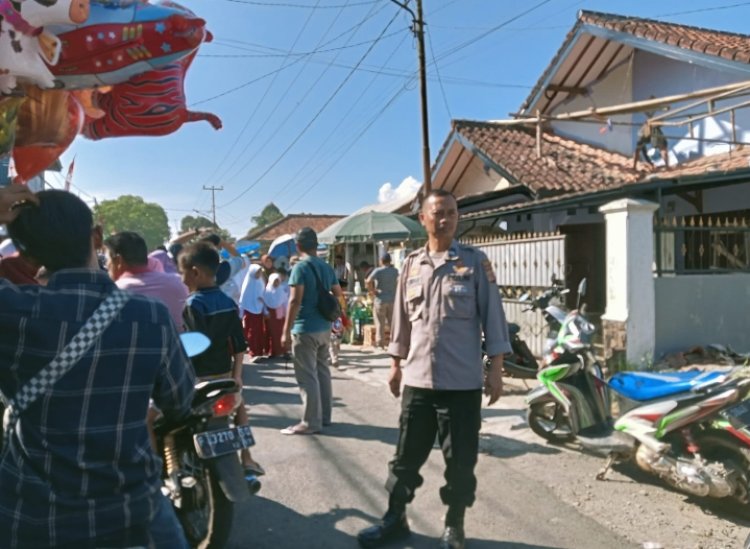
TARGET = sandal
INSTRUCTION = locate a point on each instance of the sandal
(298, 429)
(254, 468)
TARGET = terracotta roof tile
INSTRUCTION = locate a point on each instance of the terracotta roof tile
(291, 224)
(565, 165)
(709, 41)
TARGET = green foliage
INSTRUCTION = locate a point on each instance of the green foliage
(199, 222)
(189, 223)
(132, 213)
(269, 214)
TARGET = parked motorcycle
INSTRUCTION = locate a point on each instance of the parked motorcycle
(202, 475)
(689, 428)
(521, 362)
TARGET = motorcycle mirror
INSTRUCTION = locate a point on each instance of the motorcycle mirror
(524, 297)
(582, 288)
(581, 292)
(194, 343)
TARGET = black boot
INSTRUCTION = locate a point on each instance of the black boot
(453, 535)
(392, 528)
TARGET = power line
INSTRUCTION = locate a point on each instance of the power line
(440, 80)
(351, 145)
(258, 104)
(314, 118)
(324, 143)
(702, 10)
(281, 99)
(296, 54)
(302, 6)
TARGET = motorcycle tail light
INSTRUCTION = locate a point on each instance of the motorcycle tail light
(226, 405)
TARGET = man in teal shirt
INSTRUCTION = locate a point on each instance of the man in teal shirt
(307, 333)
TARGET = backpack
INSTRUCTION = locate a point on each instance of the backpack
(328, 304)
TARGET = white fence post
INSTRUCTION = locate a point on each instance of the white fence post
(628, 324)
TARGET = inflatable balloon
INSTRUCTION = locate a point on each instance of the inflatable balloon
(150, 104)
(9, 107)
(123, 39)
(33, 158)
(43, 118)
(25, 47)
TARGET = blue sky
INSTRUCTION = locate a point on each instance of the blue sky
(318, 136)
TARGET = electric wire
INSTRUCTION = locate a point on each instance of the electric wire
(258, 104)
(440, 80)
(311, 122)
(316, 155)
(703, 10)
(302, 6)
(261, 128)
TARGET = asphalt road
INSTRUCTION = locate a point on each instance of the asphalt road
(320, 490)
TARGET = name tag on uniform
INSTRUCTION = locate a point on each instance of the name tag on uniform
(413, 288)
(458, 289)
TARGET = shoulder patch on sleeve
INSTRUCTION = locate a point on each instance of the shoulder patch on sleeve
(488, 270)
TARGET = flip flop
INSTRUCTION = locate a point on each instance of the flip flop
(254, 469)
(298, 430)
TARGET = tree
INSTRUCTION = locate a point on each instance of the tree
(269, 214)
(132, 213)
(189, 222)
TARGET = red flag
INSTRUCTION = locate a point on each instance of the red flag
(69, 177)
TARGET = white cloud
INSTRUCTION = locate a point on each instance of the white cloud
(406, 189)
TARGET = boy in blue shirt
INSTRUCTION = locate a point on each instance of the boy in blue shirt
(210, 311)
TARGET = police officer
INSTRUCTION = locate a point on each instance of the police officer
(446, 296)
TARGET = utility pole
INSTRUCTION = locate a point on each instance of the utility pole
(213, 200)
(418, 30)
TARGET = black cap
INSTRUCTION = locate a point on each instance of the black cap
(307, 238)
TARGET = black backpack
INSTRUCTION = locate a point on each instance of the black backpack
(328, 304)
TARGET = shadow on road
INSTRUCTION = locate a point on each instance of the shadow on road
(497, 445)
(279, 526)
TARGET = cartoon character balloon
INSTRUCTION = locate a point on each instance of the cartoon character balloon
(122, 39)
(152, 103)
(26, 48)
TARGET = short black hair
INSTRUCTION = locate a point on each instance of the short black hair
(201, 255)
(213, 238)
(307, 240)
(56, 232)
(129, 246)
(438, 193)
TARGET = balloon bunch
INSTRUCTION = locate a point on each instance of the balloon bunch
(103, 68)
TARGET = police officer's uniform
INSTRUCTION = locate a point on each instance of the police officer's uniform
(438, 318)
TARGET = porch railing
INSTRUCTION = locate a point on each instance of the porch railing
(702, 244)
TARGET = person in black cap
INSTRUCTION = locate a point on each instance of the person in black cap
(381, 285)
(307, 333)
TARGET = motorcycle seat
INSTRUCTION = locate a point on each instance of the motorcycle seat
(642, 386)
(206, 390)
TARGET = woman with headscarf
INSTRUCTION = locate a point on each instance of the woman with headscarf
(252, 308)
(276, 300)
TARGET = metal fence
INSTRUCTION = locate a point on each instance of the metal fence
(702, 244)
(524, 262)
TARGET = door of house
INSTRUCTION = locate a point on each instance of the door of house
(585, 255)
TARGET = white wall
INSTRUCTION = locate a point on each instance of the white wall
(614, 89)
(702, 309)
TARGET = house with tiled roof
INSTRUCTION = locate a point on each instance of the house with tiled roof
(628, 109)
(289, 224)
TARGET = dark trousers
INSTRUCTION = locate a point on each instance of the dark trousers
(455, 416)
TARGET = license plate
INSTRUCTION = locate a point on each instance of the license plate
(213, 444)
(739, 414)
